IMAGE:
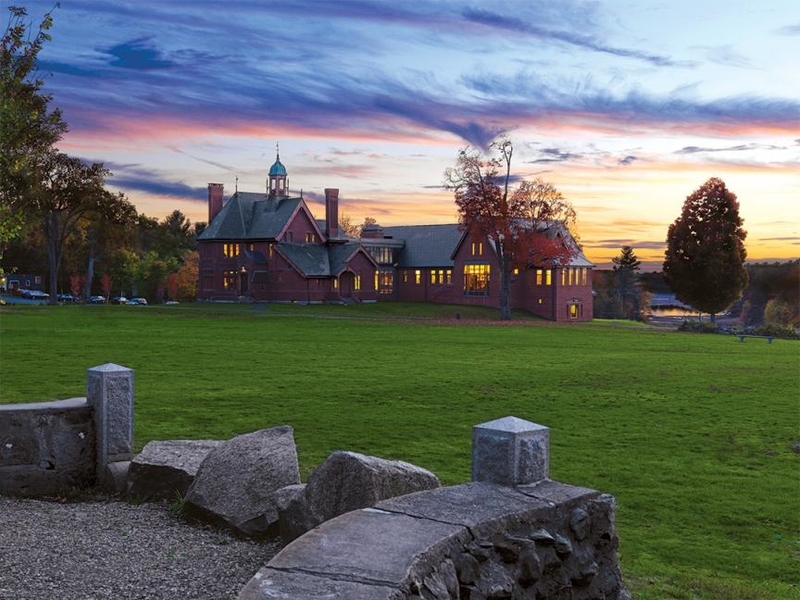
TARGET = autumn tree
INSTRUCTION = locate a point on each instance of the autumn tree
(348, 227)
(186, 278)
(704, 260)
(518, 223)
(28, 127)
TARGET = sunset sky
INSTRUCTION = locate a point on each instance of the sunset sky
(625, 106)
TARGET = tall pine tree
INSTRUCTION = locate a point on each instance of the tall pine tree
(704, 260)
(626, 283)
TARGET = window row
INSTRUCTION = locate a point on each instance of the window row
(381, 254)
(574, 276)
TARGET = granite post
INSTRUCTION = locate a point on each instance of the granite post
(109, 391)
(510, 451)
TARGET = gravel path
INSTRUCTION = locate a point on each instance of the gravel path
(111, 549)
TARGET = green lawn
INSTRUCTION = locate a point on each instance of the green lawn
(692, 433)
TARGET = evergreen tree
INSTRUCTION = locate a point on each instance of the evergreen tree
(626, 283)
(704, 260)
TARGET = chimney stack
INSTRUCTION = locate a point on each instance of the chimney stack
(215, 192)
(332, 213)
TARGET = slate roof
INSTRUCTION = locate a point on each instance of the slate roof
(425, 245)
(578, 258)
(313, 260)
(251, 216)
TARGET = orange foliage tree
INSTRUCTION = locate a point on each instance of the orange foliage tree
(520, 224)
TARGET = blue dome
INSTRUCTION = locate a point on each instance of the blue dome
(277, 169)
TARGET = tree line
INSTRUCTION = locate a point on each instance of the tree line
(56, 215)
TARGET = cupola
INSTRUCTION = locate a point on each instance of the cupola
(278, 182)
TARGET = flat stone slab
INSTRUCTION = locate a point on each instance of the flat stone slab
(467, 505)
(370, 545)
(553, 491)
(55, 405)
(270, 583)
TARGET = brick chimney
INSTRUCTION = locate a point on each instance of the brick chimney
(215, 192)
(332, 213)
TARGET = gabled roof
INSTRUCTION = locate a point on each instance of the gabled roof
(313, 260)
(551, 229)
(578, 258)
(425, 245)
(251, 216)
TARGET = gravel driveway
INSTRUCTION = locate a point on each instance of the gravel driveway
(111, 549)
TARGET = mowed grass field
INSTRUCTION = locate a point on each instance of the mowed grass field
(693, 434)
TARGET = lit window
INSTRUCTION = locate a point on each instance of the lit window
(336, 284)
(311, 237)
(539, 277)
(381, 254)
(417, 276)
(437, 277)
(357, 282)
(229, 280)
(583, 275)
(230, 250)
(271, 250)
(477, 248)
(574, 310)
(569, 276)
(548, 277)
(563, 277)
(448, 275)
(405, 276)
(385, 282)
(476, 280)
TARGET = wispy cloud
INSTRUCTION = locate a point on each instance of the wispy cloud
(793, 29)
(134, 177)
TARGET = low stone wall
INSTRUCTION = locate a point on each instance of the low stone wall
(511, 533)
(46, 447)
(49, 448)
(478, 540)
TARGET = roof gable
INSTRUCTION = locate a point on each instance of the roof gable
(250, 216)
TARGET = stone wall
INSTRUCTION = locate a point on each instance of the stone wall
(511, 533)
(50, 448)
(46, 447)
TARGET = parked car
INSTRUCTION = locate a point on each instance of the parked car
(119, 300)
(35, 295)
(66, 298)
(137, 301)
(97, 300)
